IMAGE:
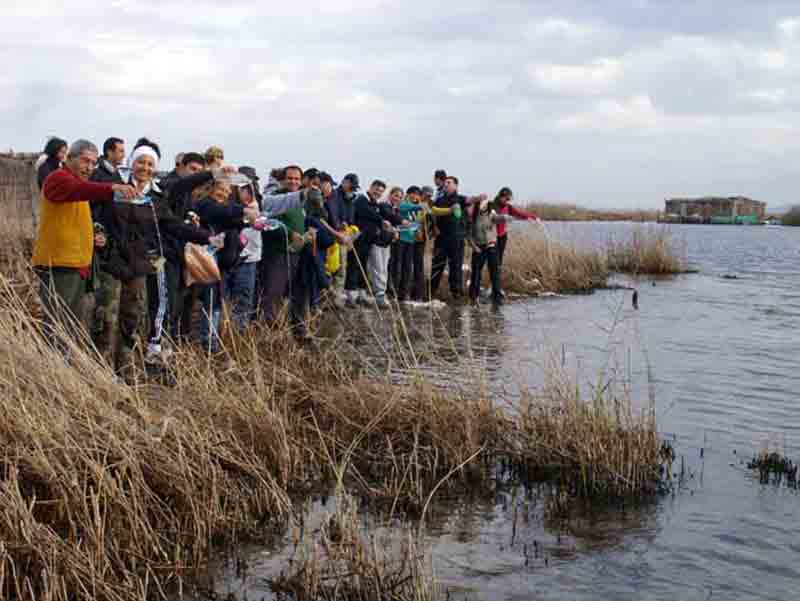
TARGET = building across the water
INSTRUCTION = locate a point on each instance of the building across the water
(715, 209)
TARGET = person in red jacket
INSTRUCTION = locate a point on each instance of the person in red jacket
(502, 206)
(62, 253)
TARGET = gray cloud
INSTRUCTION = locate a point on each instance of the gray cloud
(604, 103)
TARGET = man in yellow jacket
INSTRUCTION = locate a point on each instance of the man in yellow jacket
(62, 254)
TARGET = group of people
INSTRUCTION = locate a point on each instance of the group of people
(114, 225)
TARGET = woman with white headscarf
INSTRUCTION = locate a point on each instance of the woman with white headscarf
(143, 225)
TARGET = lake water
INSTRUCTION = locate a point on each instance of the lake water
(721, 352)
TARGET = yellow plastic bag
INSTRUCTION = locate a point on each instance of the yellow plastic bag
(333, 260)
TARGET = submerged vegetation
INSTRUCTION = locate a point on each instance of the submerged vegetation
(119, 492)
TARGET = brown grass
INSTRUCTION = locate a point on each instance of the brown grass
(115, 492)
(572, 212)
(536, 264)
(647, 250)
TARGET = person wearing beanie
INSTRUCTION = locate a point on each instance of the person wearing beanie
(147, 224)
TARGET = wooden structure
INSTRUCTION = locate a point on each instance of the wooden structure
(19, 191)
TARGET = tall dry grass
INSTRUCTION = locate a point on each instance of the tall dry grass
(650, 250)
(113, 492)
(534, 264)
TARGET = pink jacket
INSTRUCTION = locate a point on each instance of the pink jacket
(509, 209)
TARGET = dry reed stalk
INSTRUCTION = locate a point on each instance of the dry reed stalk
(534, 264)
(647, 250)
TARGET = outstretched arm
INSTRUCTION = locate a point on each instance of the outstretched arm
(520, 214)
(278, 204)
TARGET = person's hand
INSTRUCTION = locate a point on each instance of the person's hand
(125, 190)
(405, 223)
(251, 212)
(386, 225)
(217, 241)
(229, 170)
(99, 240)
(313, 197)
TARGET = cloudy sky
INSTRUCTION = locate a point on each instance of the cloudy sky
(605, 103)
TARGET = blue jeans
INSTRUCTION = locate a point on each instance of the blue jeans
(212, 311)
(240, 287)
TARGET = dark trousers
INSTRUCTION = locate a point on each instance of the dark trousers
(411, 260)
(448, 251)
(61, 290)
(357, 266)
(395, 270)
(299, 290)
(486, 255)
(162, 302)
(185, 300)
(501, 251)
(274, 284)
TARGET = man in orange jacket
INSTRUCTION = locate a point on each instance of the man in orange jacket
(62, 254)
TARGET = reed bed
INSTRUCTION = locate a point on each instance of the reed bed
(117, 492)
(572, 212)
(647, 251)
(535, 264)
